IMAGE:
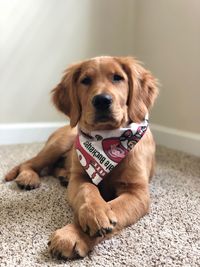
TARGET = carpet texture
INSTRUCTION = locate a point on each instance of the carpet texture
(168, 236)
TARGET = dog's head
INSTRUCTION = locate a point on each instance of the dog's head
(105, 93)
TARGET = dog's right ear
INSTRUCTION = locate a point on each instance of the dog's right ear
(65, 96)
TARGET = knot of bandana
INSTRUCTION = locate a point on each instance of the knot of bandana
(100, 151)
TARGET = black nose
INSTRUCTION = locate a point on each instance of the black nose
(102, 101)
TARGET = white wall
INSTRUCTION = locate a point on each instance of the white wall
(168, 41)
(39, 38)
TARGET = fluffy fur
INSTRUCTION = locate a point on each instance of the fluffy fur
(122, 197)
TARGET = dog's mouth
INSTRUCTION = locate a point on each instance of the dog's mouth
(106, 121)
(102, 120)
(103, 117)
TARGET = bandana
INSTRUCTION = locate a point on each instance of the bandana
(100, 151)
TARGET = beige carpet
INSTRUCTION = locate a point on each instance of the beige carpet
(168, 236)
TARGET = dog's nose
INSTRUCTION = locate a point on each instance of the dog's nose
(102, 101)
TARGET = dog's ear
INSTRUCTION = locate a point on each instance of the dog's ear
(142, 88)
(65, 96)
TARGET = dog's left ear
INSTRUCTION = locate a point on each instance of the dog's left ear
(143, 88)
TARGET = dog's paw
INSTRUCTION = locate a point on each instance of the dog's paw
(97, 219)
(70, 242)
(28, 180)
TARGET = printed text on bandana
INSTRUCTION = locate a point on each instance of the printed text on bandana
(96, 154)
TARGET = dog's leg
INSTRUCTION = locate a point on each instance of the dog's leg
(27, 173)
(100, 218)
(92, 212)
(97, 219)
(131, 204)
(94, 219)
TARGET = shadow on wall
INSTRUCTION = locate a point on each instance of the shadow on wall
(39, 40)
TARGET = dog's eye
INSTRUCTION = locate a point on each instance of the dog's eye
(86, 81)
(117, 78)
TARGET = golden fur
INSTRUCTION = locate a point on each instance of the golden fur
(122, 197)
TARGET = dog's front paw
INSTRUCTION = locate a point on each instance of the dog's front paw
(28, 180)
(70, 242)
(97, 219)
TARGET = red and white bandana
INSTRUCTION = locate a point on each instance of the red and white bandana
(100, 151)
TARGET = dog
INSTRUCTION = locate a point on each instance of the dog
(101, 95)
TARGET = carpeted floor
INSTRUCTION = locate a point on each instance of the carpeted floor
(168, 236)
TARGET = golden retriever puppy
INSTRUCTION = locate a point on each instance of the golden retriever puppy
(106, 154)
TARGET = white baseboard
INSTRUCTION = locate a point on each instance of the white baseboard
(179, 140)
(18, 133)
